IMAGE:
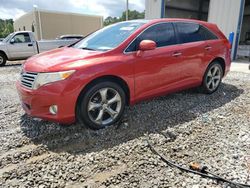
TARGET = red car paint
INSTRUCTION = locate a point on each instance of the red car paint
(147, 74)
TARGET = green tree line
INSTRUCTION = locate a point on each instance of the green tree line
(6, 27)
(131, 16)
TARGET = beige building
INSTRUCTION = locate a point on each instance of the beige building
(50, 24)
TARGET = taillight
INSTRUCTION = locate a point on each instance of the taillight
(229, 46)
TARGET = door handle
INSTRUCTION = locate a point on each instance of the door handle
(208, 48)
(30, 44)
(177, 54)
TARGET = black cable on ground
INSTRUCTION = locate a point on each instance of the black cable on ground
(203, 174)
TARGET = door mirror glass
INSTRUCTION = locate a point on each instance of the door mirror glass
(12, 41)
(146, 45)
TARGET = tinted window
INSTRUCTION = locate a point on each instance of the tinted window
(207, 35)
(190, 32)
(163, 34)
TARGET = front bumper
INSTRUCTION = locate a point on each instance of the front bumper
(36, 103)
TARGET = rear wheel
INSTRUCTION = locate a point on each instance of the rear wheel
(212, 78)
(101, 105)
(2, 59)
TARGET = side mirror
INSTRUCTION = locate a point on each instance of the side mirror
(146, 45)
(12, 41)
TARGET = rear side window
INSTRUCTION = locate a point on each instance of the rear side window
(191, 32)
(163, 34)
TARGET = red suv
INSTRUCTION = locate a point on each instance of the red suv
(92, 80)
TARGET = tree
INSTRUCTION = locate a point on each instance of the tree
(6, 27)
(131, 15)
(110, 20)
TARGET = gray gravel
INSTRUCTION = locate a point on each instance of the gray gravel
(211, 129)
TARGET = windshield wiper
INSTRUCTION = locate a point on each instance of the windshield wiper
(88, 49)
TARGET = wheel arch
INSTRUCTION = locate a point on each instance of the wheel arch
(222, 63)
(2, 52)
(116, 79)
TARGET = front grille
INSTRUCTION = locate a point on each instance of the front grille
(28, 79)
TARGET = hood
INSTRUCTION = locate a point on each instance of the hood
(59, 59)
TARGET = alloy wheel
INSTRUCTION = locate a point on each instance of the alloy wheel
(213, 78)
(104, 106)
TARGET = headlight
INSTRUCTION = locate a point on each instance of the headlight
(45, 78)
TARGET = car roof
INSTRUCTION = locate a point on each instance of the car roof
(211, 26)
(17, 32)
(159, 20)
(177, 20)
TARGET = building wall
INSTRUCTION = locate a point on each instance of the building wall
(171, 9)
(188, 4)
(25, 23)
(245, 24)
(54, 24)
(225, 13)
(153, 9)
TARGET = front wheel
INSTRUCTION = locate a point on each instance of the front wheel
(2, 60)
(101, 105)
(212, 78)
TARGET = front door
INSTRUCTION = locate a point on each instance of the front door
(156, 71)
(20, 46)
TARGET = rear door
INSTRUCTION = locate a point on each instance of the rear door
(194, 51)
(216, 47)
(21, 46)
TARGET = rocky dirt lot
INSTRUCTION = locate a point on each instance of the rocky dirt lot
(210, 129)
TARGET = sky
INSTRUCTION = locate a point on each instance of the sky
(16, 8)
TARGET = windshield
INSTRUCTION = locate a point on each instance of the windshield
(7, 38)
(109, 37)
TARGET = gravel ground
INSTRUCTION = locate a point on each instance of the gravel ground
(210, 129)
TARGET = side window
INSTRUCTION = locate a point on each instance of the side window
(163, 34)
(206, 34)
(22, 38)
(191, 32)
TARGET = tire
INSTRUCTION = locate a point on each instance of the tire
(212, 78)
(3, 59)
(95, 108)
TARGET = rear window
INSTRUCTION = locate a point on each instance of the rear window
(192, 32)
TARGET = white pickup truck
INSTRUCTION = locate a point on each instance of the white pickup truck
(22, 45)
